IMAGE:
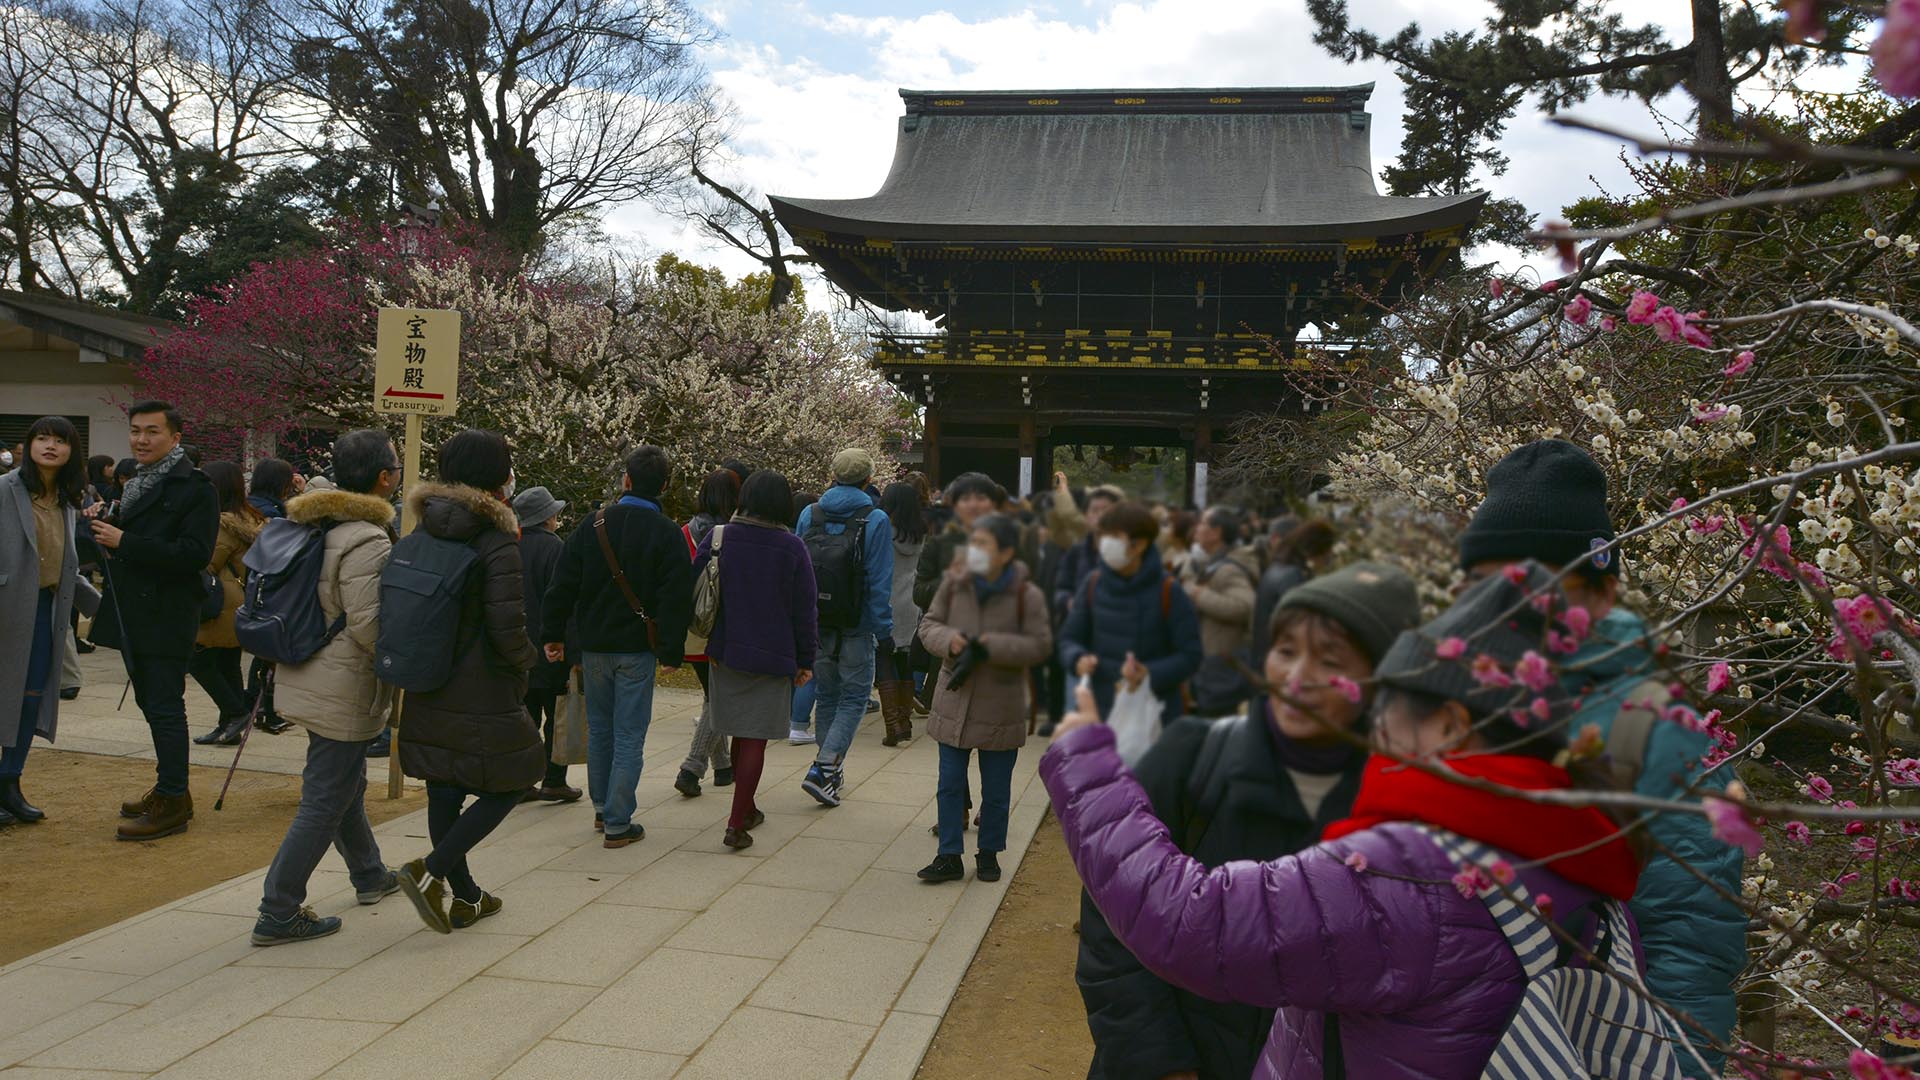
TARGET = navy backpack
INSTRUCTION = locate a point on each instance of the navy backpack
(280, 617)
(420, 594)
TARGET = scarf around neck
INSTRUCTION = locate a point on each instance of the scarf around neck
(1390, 791)
(146, 479)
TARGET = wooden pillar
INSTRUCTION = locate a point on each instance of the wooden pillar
(933, 449)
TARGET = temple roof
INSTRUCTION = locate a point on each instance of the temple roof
(1232, 166)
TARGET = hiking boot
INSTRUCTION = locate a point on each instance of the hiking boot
(165, 815)
(986, 866)
(799, 736)
(687, 784)
(737, 838)
(463, 914)
(304, 925)
(428, 893)
(633, 835)
(942, 869)
(136, 807)
(15, 805)
(723, 777)
(556, 793)
(823, 783)
(379, 892)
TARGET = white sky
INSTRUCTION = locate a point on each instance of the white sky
(815, 84)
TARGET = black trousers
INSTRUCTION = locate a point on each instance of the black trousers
(160, 689)
(543, 704)
(457, 827)
(217, 670)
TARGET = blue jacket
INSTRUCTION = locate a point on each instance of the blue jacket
(1126, 617)
(1694, 942)
(840, 503)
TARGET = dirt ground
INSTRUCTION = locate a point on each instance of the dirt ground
(67, 875)
(1017, 1012)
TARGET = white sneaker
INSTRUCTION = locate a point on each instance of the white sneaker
(799, 737)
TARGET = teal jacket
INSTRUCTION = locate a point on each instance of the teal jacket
(1694, 943)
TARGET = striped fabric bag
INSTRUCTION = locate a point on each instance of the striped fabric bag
(1571, 1022)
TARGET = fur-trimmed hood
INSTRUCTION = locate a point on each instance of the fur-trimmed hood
(334, 504)
(245, 526)
(458, 512)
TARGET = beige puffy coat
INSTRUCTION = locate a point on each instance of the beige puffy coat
(334, 694)
(989, 711)
(1224, 594)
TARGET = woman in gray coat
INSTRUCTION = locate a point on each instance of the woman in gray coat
(39, 580)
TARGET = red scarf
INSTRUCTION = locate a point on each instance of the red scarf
(1390, 791)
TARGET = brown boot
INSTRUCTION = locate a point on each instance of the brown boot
(165, 815)
(136, 807)
(896, 705)
(133, 808)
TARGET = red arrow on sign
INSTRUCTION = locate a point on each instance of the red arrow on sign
(391, 392)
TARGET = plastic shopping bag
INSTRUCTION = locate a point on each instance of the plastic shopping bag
(570, 724)
(1135, 721)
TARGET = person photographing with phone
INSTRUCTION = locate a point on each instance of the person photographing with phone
(1129, 623)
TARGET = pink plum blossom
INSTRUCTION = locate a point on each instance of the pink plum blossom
(1731, 824)
(1742, 361)
(1578, 310)
(1896, 52)
(1450, 648)
(1798, 832)
(1608, 323)
(1719, 677)
(1347, 688)
(1534, 670)
(1487, 672)
(1497, 287)
(1357, 860)
(1640, 309)
(1819, 789)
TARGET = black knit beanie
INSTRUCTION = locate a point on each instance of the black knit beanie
(1374, 601)
(1496, 623)
(1546, 501)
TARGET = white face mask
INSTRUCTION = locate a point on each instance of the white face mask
(1114, 551)
(978, 561)
(508, 493)
(1197, 552)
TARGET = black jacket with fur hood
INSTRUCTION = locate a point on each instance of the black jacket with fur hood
(474, 732)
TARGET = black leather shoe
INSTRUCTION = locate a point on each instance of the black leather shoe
(942, 869)
(231, 732)
(15, 805)
(69, 693)
(211, 737)
(986, 866)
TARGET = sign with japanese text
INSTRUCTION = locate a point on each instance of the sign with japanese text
(417, 362)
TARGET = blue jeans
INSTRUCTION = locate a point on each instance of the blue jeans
(844, 671)
(333, 811)
(13, 759)
(803, 699)
(619, 708)
(996, 797)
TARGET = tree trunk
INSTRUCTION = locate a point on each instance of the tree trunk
(1711, 83)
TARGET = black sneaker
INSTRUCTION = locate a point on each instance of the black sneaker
(723, 777)
(462, 914)
(428, 893)
(687, 784)
(986, 866)
(303, 926)
(942, 869)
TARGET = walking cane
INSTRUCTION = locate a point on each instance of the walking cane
(126, 650)
(266, 684)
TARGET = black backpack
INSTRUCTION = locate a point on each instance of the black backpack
(280, 618)
(839, 567)
(421, 590)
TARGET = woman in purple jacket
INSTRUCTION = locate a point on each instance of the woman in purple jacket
(1377, 964)
(764, 636)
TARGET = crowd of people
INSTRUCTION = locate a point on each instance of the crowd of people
(1274, 887)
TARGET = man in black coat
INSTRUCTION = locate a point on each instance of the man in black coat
(157, 541)
(629, 627)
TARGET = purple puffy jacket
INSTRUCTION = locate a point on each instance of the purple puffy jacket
(1421, 978)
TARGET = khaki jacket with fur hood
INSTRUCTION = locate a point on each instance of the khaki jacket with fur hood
(334, 694)
(237, 534)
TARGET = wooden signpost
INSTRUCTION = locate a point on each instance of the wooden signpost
(416, 372)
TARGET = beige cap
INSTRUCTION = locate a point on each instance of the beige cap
(852, 466)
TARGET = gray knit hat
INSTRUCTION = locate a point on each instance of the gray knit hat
(1494, 625)
(1374, 601)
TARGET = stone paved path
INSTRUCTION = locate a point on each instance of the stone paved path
(814, 954)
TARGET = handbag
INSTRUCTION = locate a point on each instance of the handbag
(706, 600)
(570, 724)
(213, 596)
